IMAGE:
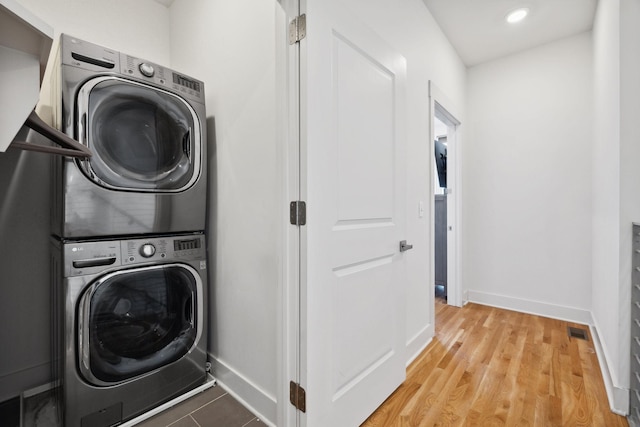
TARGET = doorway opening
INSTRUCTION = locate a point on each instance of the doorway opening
(440, 141)
(446, 202)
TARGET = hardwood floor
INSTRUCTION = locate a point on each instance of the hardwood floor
(492, 367)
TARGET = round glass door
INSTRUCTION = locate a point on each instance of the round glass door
(136, 321)
(142, 138)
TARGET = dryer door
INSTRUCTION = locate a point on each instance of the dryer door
(135, 321)
(142, 138)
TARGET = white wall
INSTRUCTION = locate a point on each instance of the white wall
(527, 181)
(616, 183)
(135, 27)
(139, 28)
(231, 46)
(606, 180)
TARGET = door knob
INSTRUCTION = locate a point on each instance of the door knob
(404, 246)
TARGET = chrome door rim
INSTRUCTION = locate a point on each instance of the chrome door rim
(82, 103)
(84, 307)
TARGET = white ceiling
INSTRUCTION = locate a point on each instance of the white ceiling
(479, 33)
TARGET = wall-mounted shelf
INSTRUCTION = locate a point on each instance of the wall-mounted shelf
(23, 31)
(25, 43)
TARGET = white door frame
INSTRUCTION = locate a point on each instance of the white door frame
(445, 110)
(288, 90)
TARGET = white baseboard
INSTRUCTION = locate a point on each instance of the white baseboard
(419, 342)
(618, 397)
(258, 401)
(170, 404)
(561, 312)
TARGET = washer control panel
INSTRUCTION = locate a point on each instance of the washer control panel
(91, 257)
(147, 250)
(185, 248)
(142, 250)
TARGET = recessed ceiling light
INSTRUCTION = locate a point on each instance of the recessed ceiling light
(517, 15)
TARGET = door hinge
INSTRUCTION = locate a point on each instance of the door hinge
(297, 29)
(298, 396)
(298, 213)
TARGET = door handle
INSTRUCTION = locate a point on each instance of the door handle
(404, 246)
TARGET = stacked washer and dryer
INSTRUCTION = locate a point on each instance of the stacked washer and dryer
(129, 252)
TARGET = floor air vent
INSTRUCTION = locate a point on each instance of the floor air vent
(578, 333)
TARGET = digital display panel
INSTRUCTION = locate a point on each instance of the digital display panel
(188, 83)
(183, 245)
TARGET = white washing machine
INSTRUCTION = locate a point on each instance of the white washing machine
(132, 325)
(146, 127)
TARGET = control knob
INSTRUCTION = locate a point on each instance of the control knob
(147, 250)
(146, 69)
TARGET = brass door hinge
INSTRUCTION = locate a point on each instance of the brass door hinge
(298, 396)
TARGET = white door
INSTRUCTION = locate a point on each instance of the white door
(353, 180)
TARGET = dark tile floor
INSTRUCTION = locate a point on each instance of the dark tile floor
(213, 407)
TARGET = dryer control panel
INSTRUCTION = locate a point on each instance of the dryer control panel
(82, 54)
(187, 87)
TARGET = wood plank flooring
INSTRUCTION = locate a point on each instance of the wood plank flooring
(492, 367)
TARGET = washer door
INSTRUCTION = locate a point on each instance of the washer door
(135, 321)
(142, 138)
